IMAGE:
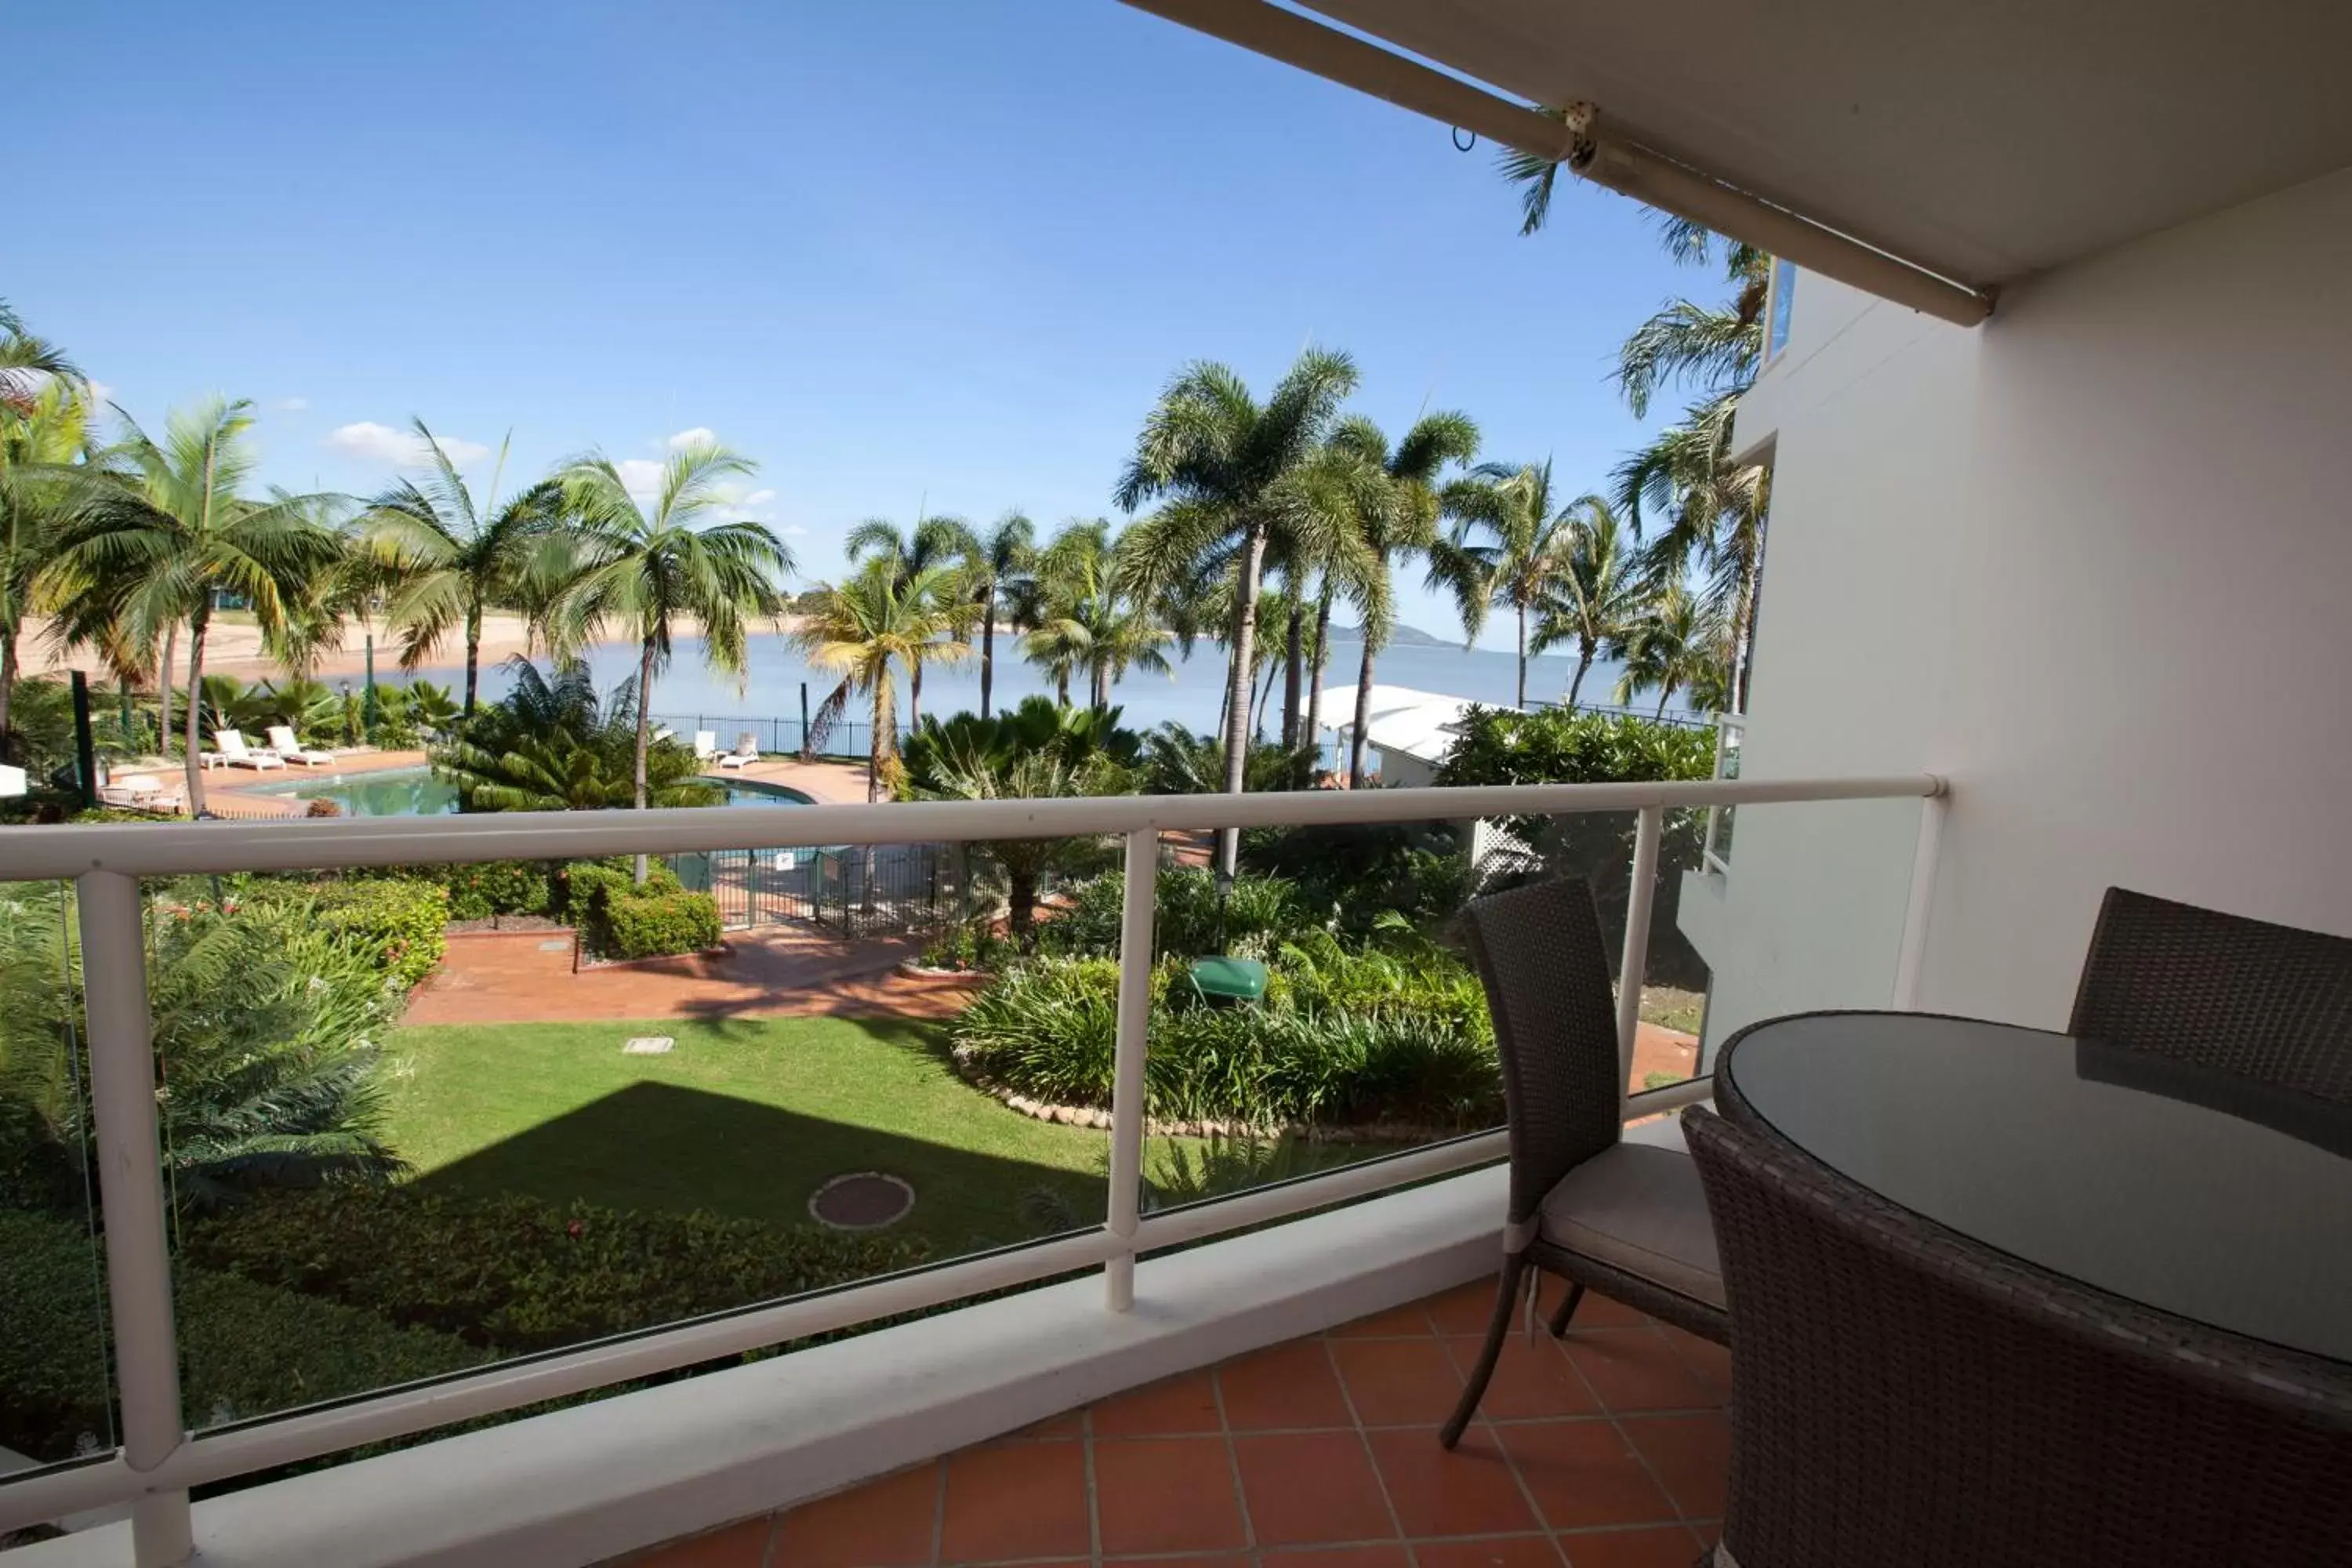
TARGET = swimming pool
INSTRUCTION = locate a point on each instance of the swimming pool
(414, 792)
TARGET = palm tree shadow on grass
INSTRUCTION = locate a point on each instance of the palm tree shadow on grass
(656, 1145)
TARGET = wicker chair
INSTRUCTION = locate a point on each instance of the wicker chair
(2265, 1002)
(1902, 1394)
(1627, 1218)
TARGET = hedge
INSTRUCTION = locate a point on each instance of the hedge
(248, 1347)
(620, 918)
(514, 1273)
(399, 921)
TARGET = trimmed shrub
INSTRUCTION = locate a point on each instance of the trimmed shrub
(517, 1274)
(620, 918)
(399, 921)
(477, 892)
(1261, 914)
(248, 1347)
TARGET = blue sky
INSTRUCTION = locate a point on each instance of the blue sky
(909, 252)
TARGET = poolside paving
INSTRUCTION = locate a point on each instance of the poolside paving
(1610, 1450)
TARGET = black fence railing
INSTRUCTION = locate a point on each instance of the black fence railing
(1681, 720)
(772, 736)
(851, 890)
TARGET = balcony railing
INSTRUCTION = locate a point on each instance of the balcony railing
(158, 1459)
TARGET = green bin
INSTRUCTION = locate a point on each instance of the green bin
(1229, 981)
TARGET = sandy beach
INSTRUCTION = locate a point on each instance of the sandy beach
(233, 646)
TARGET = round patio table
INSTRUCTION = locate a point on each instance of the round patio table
(2209, 1196)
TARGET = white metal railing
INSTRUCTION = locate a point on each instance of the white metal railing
(159, 1460)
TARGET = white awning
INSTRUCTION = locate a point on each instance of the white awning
(1919, 149)
(1403, 721)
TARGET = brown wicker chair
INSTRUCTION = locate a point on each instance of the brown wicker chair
(2244, 996)
(1627, 1219)
(1902, 1394)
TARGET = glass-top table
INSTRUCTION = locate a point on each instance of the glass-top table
(2193, 1191)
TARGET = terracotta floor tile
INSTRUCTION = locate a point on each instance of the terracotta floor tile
(1062, 1428)
(1288, 1385)
(1595, 1311)
(1468, 1492)
(882, 1524)
(1691, 1454)
(1020, 1499)
(1338, 1557)
(1709, 1361)
(1534, 1378)
(1515, 1552)
(1581, 1473)
(1465, 1309)
(1676, 1547)
(1397, 1382)
(1311, 1487)
(1213, 1560)
(1634, 1370)
(1171, 1409)
(1166, 1494)
(1407, 1321)
(740, 1545)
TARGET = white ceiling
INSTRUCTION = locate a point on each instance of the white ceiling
(1986, 140)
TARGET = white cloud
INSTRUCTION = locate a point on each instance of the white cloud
(101, 392)
(760, 497)
(793, 531)
(642, 477)
(701, 436)
(376, 443)
(291, 404)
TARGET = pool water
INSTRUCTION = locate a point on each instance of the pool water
(414, 792)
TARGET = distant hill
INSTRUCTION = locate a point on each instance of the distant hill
(1402, 637)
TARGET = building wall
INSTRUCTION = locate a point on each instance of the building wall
(2090, 561)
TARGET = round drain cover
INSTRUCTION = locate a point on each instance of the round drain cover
(866, 1200)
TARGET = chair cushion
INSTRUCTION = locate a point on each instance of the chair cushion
(1639, 1207)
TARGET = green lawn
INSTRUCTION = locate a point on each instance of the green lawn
(742, 1117)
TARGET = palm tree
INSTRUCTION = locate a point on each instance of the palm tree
(936, 542)
(1677, 641)
(1517, 561)
(551, 746)
(1597, 592)
(858, 627)
(645, 569)
(45, 477)
(449, 560)
(1230, 471)
(1399, 521)
(1083, 621)
(999, 566)
(150, 555)
(29, 363)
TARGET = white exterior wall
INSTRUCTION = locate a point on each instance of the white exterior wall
(2090, 561)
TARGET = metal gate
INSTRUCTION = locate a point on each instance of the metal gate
(852, 889)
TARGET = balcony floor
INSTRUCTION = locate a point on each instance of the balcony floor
(1608, 1451)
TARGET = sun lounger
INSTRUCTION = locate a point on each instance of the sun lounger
(283, 742)
(139, 791)
(240, 755)
(746, 751)
(706, 746)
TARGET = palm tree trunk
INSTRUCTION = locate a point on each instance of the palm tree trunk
(883, 719)
(193, 761)
(1237, 695)
(473, 653)
(1363, 717)
(1265, 695)
(7, 679)
(987, 650)
(914, 695)
(644, 732)
(1314, 736)
(1523, 657)
(1062, 687)
(1102, 686)
(1576, 682)
(1666, 695)
(163, 712)
(1290, 671)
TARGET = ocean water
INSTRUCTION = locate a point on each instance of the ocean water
(1191, 695)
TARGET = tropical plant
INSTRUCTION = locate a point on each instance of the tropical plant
(1518, 557)
(447, 559)
(937, 553)
(46, 477)
(28, 364)
(1083, 620)
(1396, 518)
(149, 555)
(553, 746)
(856, 628)
(1178, 760)
(1036, 751)
(1230, 471)
(1678, 640)
(264, 1030)
(644, 569)
(1000, 567)
(1597, 594)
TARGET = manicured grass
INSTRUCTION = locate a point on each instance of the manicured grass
(742, 1117)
